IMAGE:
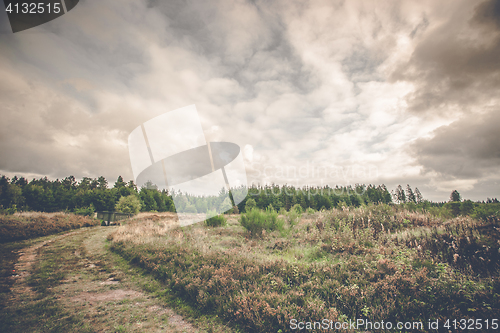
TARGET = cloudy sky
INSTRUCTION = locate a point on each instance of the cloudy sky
(314, 92)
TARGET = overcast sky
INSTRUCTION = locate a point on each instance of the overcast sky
(341, 92)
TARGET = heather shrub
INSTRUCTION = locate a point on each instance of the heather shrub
(374, 262)
(256, 221)
(215, 220)
(31, 225)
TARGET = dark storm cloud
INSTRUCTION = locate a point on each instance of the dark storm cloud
(294, 82)
(466, 149)
(244, 40)
(456, 63)
(488, 13)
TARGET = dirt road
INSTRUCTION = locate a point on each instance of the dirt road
(73, 283)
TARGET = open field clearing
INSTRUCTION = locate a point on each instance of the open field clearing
(376, 263)
(72, 283)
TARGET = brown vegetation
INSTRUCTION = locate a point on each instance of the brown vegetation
(31, 224)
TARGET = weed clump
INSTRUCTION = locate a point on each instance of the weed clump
(256, 221)
(215, 220)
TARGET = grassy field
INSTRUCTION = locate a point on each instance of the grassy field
(20, 226)
(376, 263)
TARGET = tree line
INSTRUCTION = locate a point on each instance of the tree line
(88, 195)
(95, 194)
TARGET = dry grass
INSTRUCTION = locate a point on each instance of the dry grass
(39, 214)
(28, 225)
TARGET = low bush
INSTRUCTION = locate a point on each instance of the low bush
(215, 220)
(297, 208)
(256, 221)
(293, 217)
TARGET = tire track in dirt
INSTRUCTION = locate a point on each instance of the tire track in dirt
(95, 290)
(27, 257)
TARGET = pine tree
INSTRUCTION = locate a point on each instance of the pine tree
(400, 196)
(119, 183)
(418, 195)
(102, 183)
(410, 196)
(455, 196)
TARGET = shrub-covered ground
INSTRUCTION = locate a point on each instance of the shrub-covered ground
(22, 226)
(380, 263)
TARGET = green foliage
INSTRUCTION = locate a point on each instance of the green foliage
(190, 208)
(251, 204)
(486, 211)
(256, 221)
(86, 211)
(148, 199)
(297, 208)
(466, 207)
(454, 207)
(226, 206)
(129, 204)
(400, 195)
(201, 206)
(455, 196)
(215, 220)
(294, 215)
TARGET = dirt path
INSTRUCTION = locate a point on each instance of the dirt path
(75, 284)
(27, 257)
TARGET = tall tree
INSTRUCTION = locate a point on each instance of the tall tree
(455, 196)
(119, 183)
(418, 195)
(410, 196)
(102, 183)
(400, 196)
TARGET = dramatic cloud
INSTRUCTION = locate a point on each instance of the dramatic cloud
(455, 64)
(466, 149)
(316, 92)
